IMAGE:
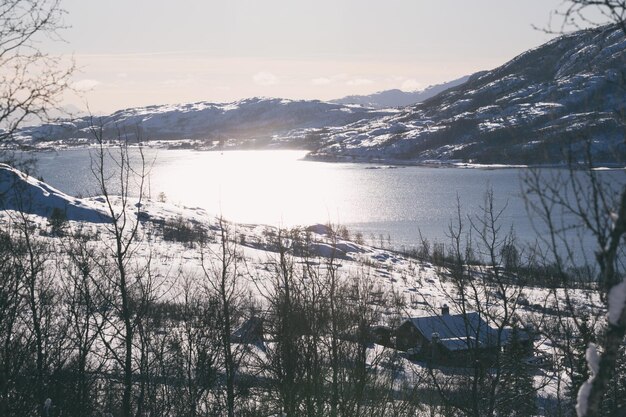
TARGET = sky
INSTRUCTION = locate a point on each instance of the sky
(143, 52)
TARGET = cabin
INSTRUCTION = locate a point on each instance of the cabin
(455, 338)
(381, 335)
(250, 331)
(368, 335)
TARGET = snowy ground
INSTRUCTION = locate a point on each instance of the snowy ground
(411, 288)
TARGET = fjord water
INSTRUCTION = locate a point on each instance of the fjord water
(279, 188)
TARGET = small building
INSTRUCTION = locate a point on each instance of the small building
(250, 331)
(382, 335)
(454, 338)
(375, 334)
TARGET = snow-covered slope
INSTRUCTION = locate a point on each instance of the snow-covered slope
(395, 287)
(20, 192)
(399, 98)
(417, 285)
(255, 118)
(36, 200)
(529, 110)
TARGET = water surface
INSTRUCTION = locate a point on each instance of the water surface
(279, 188)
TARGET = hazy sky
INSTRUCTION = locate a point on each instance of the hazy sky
(140, 52)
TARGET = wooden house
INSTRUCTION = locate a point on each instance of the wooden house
(455, 338)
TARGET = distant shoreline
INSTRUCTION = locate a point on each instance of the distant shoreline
(193, 145)
(433, 163)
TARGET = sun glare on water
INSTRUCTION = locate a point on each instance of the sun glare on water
(272, 187)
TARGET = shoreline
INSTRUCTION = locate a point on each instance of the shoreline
(193, 145)
(434, 163)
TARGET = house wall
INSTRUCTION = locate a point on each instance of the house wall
(407, 337)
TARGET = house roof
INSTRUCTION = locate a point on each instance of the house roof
(250, 329)
(461, 331)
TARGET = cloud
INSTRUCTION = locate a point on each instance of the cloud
(411, 85)
(327, 80)
(180, 82)
(359, 81)
(85, 85)
(265, 78)
(321, 81)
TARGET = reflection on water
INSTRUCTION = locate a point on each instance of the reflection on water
(278, 188)
(252, 186)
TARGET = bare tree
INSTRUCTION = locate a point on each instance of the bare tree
(596, 208)
(129, 289)
(482, 285)
(31, 81)
(16, 343)
(84, 307)
(583, 13)
(582, 209)
(196, 351)
(288, 324)
(223, 274)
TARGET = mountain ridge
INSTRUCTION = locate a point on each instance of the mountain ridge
(541, 107)
(399, 98)
(253, 119)
(534, 109)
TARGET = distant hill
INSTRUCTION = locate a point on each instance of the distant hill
(546, 102)
(249, 119)
(399, 98)
(533, 109)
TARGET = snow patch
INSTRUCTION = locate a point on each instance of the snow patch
(593, 361)
(617, 300)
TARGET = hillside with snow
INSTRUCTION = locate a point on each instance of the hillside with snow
(399, 98)
(422, 285)
(25, 198)
(22, 193)
(260, 120)
(533, 109)
(176, 263)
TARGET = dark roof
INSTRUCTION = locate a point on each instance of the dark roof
(461, 331)
(250, 331)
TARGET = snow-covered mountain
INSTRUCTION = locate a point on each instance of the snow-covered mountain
(532, 109)
(254, 118)
(399, 98)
